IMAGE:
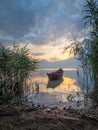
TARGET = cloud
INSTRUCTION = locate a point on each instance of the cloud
(38, 54)
(54, 59)
(60, 19)
(39, 21)
(15, 19)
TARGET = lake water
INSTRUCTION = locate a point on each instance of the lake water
(65, 92)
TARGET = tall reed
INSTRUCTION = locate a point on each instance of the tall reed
(15, 68)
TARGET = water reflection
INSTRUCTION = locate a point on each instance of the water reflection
(66, 86)
(55, 92)
(62, 92)
(41, 84)
(53, 84)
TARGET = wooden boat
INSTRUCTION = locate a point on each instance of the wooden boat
(55, 75)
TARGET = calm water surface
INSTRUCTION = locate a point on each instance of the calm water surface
(61, 93)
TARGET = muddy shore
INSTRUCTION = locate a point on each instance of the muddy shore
(45, 118)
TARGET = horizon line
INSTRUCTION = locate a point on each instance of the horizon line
(58, 68)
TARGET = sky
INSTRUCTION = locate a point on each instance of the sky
(46, 25)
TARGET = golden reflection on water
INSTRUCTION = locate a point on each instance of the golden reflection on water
(64, 92)
(64, 85)
(68, 85)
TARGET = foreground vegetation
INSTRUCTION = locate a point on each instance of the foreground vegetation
(87, 51)
(15, 68)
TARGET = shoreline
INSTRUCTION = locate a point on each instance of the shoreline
(38, 117)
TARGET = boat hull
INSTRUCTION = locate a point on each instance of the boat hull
(55, 75)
